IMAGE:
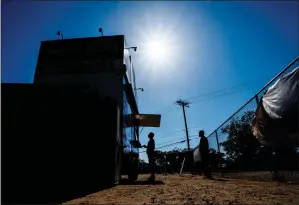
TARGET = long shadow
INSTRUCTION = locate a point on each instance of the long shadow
(261, 178)
(75, 194)
(145, 182)
(220, 180)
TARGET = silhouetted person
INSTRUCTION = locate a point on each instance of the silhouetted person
(150, 150)
(204, 153)
(198, 168)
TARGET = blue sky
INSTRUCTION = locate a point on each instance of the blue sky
(213, 45)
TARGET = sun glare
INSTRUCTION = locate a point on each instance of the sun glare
(157, 51)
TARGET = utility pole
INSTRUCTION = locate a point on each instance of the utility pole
(184, 104)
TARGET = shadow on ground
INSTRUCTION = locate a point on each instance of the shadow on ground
(220, 180)
(263, 177)
(42, 196)
(75, 194)
(144, 182)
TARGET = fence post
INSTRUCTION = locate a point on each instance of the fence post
(219, 164)
(257, 100)
(165, 163)
(217, 141)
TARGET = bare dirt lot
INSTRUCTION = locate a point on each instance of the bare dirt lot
(245, 188)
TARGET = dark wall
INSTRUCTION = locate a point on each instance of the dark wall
(57, 143)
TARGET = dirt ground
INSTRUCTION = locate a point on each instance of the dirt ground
(245, 188)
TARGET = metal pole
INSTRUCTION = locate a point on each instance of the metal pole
(165, 163)
(182, 166)
(219, 164)
(187, 134)
(217, 141)
(257, 100)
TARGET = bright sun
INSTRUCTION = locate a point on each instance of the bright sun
(157, 51)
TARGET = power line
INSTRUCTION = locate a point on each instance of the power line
(224, 92)
(181, 138)
(174, 143)
(206, 96)
(179, 142)
(167, 142)
(215, 92)
(170, 134)
(168, 145)
(172, 107)
(220, 95)
(166, 108)
(211, 97)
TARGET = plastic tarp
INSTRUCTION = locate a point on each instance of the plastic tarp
(196, 155)
(276, 118)
(282, 97)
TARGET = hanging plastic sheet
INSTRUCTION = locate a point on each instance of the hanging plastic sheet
(276, 119)
(282, 98)
(196, 155)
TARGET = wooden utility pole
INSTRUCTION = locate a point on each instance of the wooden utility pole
(184, 104)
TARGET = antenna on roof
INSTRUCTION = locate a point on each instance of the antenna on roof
(59, 34)
(101, 31)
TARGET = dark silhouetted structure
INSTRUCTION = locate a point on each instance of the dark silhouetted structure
(74, 130)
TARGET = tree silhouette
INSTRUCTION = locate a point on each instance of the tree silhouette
(246, 151)
(215, 158)
(241, 145)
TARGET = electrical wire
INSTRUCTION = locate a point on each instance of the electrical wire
(219, 95)
(191, 137)
(181, 138)
(180, 142)
(211, 95)
(170, 134)
(172, 107)
(227, 93)
(168, 145)
(215, 92)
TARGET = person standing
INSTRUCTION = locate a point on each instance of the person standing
(150, 151)
(204, 153)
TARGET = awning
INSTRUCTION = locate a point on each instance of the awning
(148, 120)
(143, 120)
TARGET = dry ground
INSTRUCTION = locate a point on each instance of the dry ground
(245, 188)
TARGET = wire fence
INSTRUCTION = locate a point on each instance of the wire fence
(218, 140)
(245, 114)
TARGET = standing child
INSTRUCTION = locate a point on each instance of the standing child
(150, 150)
